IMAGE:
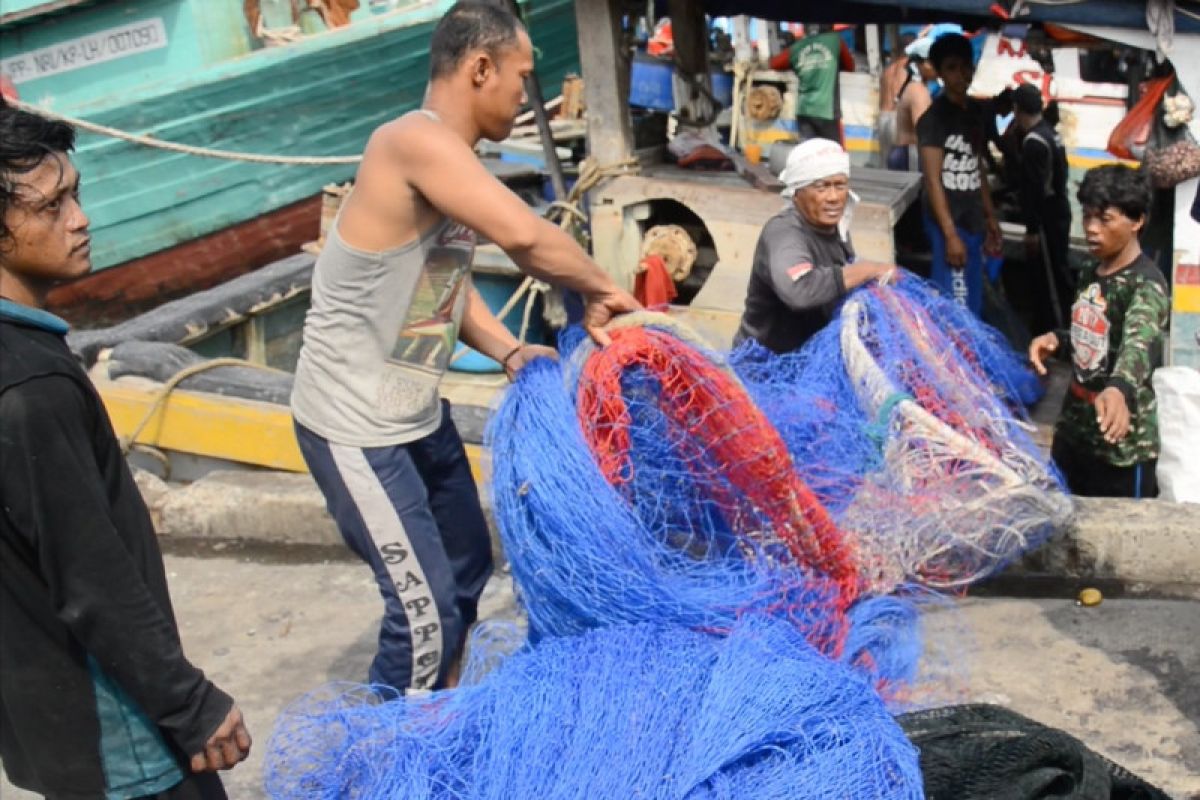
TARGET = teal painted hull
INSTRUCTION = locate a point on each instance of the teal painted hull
(320, 96)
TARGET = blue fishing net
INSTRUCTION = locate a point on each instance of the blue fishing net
(645, 711)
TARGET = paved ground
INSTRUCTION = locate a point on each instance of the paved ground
(1121, 676)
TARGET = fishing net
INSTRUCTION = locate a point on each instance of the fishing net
(906, 418)
(981, 752)
(645, 711)
(676, 543)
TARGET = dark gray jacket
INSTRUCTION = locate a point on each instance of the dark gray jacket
(795, 283)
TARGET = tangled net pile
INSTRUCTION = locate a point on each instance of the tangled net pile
(906, 417)
(628, 711)
(708, 552)
(660, 493)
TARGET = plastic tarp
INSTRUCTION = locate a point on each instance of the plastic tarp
(1178, 391)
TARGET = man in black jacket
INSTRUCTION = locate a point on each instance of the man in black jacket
(96, 697)
(1045, 209)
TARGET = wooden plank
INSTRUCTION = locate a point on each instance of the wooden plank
(756, 174)
(605, 80)
(690, 30)
(22, 14)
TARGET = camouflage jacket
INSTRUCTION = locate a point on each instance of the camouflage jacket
(1118, 328)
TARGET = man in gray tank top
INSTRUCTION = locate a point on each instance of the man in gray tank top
(391, 295)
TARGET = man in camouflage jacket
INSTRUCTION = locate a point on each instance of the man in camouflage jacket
(1106, 440)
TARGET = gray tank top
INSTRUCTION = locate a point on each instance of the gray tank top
(379, 336)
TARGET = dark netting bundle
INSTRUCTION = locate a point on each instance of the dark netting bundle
(641, 711)
(905, 417)
(985, 752)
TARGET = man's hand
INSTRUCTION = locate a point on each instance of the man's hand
(1033, 248)
(956, 251)
(883, 272)
(225, 748)
(1040, 349)
(993, 244)
(600, 310)
(1112, 414)
(524, 355)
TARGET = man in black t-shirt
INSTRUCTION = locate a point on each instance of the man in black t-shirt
(959, 217)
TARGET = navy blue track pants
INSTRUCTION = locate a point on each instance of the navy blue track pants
(411, 512)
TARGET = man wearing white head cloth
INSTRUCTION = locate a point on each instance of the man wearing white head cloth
(804, 262)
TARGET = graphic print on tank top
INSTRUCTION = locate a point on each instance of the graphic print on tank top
(428, 336)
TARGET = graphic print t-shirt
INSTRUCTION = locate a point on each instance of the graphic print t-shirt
(815, 61)
(1116, 339)
(958, 131)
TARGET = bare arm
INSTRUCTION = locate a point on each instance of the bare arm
(931, 170)
(450, 177)
(483, 331)
(920, 102)
(994, 242)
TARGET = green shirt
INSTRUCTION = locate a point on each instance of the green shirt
(815, 61)
(1118, 327)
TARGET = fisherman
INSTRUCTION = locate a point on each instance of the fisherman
(96, 696)
(1106, 439)
(891, 79)
(959, 218)
(391, 295)
(1045, 209)
(804, 262)
(816, 59)
(912, 101)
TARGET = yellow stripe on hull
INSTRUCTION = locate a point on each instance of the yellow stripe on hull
(214, 426)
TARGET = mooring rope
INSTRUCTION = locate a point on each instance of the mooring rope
(191, 150)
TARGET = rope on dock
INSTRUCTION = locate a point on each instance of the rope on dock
(187, 149)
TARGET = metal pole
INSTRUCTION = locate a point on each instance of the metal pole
(533, 90)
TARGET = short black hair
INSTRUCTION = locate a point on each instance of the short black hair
(948, 46)
(25, 141)
(470, 25)
(1117, 186)
(1028, 99)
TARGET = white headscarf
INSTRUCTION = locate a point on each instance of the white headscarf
(813, 160)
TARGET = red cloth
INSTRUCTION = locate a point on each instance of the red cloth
(653, 285)
(705, 157)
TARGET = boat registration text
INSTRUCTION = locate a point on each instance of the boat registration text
(127, 40)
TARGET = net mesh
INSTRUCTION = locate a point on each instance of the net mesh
(979, 752)
(626, 711)
(906, 417)
(722, 560)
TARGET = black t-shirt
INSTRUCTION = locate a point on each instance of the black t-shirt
(795, 282)
(960, 133)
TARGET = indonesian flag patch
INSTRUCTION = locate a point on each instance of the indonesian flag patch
(800, 270)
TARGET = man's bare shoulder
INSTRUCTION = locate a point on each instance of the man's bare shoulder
(413, 137)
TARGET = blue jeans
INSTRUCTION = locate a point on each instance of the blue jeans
(412, 513)
(964, 284)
